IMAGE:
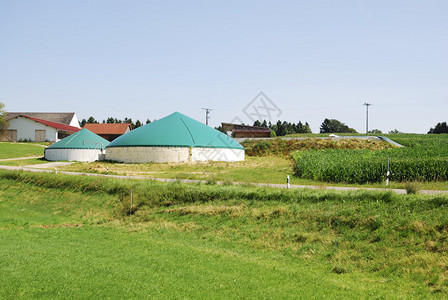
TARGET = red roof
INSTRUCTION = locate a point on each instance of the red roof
(53, 124)
(109, 128)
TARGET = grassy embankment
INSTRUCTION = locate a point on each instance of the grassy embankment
(65, 236)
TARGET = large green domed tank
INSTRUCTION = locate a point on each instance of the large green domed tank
(175, 138)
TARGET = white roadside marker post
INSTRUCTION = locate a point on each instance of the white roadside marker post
(287, 182)
(388, 173)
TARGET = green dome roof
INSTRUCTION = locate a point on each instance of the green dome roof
(83, 139)
(176, 130)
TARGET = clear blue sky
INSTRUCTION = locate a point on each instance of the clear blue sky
(146, 59)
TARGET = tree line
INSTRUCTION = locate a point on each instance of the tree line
(110, 120)
(280, 128)
(283, 128)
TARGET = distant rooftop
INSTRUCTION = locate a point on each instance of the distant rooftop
(107, 128)
(58, 117)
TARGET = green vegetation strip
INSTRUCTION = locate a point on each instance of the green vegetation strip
(284, 147)
(70, 237)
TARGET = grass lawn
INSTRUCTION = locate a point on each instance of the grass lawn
(104, 262)
(11, 150)
(253, 169)
(71, 237)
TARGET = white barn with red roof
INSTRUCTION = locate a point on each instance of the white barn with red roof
(27, 128)
(67, 118)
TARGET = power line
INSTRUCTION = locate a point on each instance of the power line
(367, 117)
(207, 114)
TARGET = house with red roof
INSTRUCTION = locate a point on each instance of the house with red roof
(24, 127)
(109, 131)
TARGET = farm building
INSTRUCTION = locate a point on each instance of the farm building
(245, 131)
(64, 118)
(83, 145)
(175, 138)
(109, 131)
(24, 127)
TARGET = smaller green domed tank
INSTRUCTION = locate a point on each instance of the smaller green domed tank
(83, 145)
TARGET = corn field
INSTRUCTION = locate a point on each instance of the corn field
(424, 158)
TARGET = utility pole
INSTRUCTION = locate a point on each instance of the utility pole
(367, 117)
(207, 112)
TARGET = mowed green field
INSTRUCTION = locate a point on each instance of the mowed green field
(73, 237)
(12, 150)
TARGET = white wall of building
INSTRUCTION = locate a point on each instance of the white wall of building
(87, 155)
(26, 129)
(171, 154)
(217, 154)
(147, 154)
(75, 122)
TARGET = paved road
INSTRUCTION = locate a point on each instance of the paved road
(283, 186)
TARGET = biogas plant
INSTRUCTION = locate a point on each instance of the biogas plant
(175, 138)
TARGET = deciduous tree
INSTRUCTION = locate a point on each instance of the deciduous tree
(3, 121)
(395, 131)
(439, 128)
(137, 124)
(335, 126)
(91, 120)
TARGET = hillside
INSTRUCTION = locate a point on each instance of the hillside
(70, 236)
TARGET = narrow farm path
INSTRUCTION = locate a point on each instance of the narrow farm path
(33, 168)
(50, 165)
(20, 158)
(37, 145)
